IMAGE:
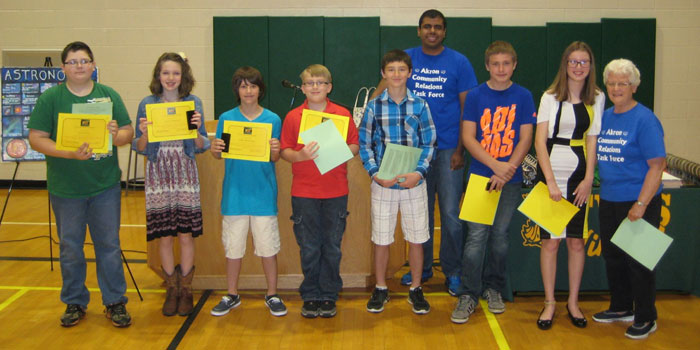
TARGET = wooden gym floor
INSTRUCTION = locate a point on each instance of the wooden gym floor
(30, 308)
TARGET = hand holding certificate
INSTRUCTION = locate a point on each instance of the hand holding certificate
(246, 141)
(76, 129)
(170, 121)
(332, 149)
(479, 204)
(550, 215)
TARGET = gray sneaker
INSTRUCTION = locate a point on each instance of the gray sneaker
(464, 308)
(494, 300)
(275, 304)
(227, 303)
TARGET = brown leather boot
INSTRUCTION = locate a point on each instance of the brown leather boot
(184, 305)
(171, 293)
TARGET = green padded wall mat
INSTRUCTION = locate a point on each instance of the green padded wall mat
(238, 41)
(351, 53)
(530, 45)
(470, 37)
(295, 42)
(634, 39)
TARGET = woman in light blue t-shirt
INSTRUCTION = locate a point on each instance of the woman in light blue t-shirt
(631, 159)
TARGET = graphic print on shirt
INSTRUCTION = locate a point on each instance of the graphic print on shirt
(428, 83)
(497, 130)
(610, 144)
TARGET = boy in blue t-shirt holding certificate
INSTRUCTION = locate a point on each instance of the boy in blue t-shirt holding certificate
(497, 132)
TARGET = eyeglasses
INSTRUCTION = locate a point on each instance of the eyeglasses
(74, 62)
(619, 84)
(583, 63)
(315, 83)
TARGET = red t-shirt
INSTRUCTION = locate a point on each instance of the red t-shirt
(307, 181)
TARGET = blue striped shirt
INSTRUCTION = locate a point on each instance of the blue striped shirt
(408, 123)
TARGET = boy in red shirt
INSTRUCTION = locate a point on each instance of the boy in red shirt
(319, 202)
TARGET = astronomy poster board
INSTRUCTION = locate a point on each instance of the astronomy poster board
(21, 87)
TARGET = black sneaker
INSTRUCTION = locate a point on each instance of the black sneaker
(275, 304)
(420, 305)
(311, 308)
(118, 314)
(641, 330)
(377, 300)
(228, 302)
(608, 316)
(73, 314)
(328, 309)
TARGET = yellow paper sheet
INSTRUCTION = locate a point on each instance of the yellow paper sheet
(479, 205)
(249, 141)
(169, 121)
(550, 215)
(76, 129)
(310, 119)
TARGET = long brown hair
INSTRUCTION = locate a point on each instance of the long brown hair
(186, 79)
(560, 88)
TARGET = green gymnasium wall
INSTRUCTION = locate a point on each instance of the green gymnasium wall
(351, 47)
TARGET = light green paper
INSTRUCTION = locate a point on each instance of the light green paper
(100, 108)
(332, 149)
(398, 159)
(643, 242)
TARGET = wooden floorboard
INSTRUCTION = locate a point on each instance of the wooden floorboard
(30, 309)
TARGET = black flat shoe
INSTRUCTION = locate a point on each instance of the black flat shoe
(544, 324)
(578, 322)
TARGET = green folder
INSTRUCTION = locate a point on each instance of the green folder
(332, 149)
(643, 242)
(398, 159)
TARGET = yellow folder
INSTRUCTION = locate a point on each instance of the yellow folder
(548, 214)
(479, 205)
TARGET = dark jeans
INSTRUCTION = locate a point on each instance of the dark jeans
(101, 213)
(448, 184)
(479, 270)
(319, 225)
(632, 286)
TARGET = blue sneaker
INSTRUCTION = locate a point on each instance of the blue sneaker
(453, 283)
(406, 279)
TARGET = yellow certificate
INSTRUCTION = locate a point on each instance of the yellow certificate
(479, 205)
(76, 129)
(310, 118)
(550, 215)
(169, 121)
(247, 141)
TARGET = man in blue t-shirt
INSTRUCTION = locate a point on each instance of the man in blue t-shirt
(497, 132)
(441, 76)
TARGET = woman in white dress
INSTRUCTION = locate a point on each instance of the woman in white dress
(568, 122)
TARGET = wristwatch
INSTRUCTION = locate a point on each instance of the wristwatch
(640, 203)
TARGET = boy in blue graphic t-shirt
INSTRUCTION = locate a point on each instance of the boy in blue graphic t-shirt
(497, 132)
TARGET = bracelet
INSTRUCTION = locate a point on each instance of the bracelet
(640, 203)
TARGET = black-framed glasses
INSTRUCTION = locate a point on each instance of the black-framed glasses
(315, 83)
(74, 62)
(582, 63)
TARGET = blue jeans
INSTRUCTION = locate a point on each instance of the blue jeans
(449, 186)
(319, 225)
(101, 213)
(477, 275)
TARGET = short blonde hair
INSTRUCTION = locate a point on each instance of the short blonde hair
(623, 66)
(500, 46)
(316, 70)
